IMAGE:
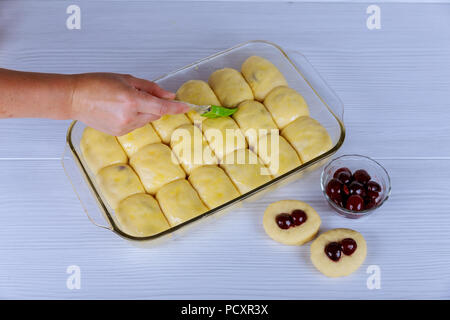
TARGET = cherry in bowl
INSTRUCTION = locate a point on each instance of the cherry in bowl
(355, 185)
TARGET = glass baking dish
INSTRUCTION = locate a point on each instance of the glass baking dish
(323, 103)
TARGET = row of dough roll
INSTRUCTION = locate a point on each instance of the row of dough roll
(156, 171)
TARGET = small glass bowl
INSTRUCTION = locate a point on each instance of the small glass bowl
(354, 162)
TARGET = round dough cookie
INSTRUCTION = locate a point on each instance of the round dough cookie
(213, 186)
(308, 137)
(156, 165)
(100, 149)
(285, 105)
(230, 87)
(139, 215)
(262, 76)
(191, 148)
(277, 154)
(245, 169)
(295, 235)
(223, 135)
(197, 92)
(346, 264)
(180, 202)
(136, 139)
(168, 123)
(254, 120)
(118, 182)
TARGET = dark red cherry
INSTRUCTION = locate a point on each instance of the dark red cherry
(284, 221)
(344, 177)
(348, 246)
(361, 176)
(373, 186)
(334, 187)
(370, 204)
(355, 203)
(333, 251)
(372, 195)
(338, 171)
(339, 201)
(345, 190)
(357, 188)
(298, 217)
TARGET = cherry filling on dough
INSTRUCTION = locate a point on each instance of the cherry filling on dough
(334, 250)
(296, 218)
(284, 221)
(348, 246)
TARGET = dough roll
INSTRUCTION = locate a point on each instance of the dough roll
(196, 92)
(262, 76)
(100, 149)
(156, 165)
(117, 182)
(180, 202)
(230, 87)
(308, 137)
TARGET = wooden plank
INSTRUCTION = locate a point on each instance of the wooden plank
(45, 230)
(394, 81)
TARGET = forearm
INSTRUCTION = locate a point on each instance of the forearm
(35, 95)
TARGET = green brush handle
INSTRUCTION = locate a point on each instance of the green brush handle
(218, 111)
(212, 111)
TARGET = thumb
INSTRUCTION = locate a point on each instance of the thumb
(154, 105)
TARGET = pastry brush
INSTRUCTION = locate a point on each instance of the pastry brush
(212, 111)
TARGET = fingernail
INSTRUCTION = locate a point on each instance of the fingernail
(170, 95)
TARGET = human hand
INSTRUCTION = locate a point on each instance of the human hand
(119, 103)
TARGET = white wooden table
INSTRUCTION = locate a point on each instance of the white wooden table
(394, 82)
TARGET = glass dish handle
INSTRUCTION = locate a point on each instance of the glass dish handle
(83, 192)
(319, 85)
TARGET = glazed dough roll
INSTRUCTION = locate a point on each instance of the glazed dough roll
(245, 170)
(191, 148)
(118, 182)
(168, 123)
(347, 264)
(136, 139)
(308, 137)
(262, 76)
(254, 121)
(223, 135)
(277, 154)
(197, 92)
(100, 149)
(213, 186)
(180, 202)
(230, 87)
(297, 235)
(140, 215)
(285, 105)
(156, 165)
